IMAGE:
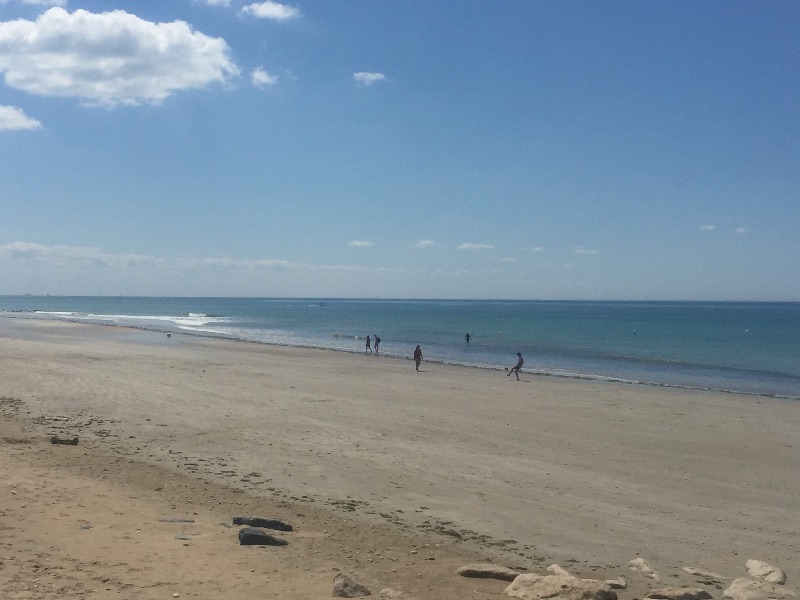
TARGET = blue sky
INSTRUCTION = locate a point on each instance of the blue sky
(437, 149)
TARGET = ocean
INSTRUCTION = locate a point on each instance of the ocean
(749, 348)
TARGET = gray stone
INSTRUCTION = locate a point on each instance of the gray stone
(704, 574)
(676, 593)
(563, 587)
(347, 587)
(250, 536)
(617, 584)
(755, 589)
(767, 572)
(64, 441)
(265, 523)
(488, 571)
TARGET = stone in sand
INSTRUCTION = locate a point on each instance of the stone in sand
(488, 571)
(64, 441)
(250, 536)
(557, 570)
(640, 565)
(754, 589)
(767, 572)
(265, 523)
(563, 587)
(703, 573)
(676, 593)
(617, 584)
(389, 594)
(347, 587)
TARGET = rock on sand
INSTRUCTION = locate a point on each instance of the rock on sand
(563, 587)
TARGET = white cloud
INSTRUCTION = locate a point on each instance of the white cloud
(508, 259)
(271, 10)
(365, 78)
(537, 249)
(706, 227)
(471, 246)
(109, 58)
(260, 77)
(74, 254)
(38, 2)
(424, 244)
(360, 244)
(217, 2)
(12, 117)
(740, 230)
(582, 250)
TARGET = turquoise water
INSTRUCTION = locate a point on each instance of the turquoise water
(741, 347)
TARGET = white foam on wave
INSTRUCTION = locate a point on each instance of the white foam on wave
(188, 321)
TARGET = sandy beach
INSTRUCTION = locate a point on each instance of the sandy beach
(393, 476)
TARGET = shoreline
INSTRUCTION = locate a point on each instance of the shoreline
(534, 372)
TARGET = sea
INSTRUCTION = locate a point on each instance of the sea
(738, 347)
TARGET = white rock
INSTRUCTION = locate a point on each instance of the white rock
(676, 593)
(767, 572)
(754, 589)
(557, 570)
(640, 565)
(559, 587)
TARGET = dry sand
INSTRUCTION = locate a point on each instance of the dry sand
(394, 476)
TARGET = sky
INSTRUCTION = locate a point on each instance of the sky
(401, 149)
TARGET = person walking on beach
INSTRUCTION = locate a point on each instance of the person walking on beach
(368, 348)
(515, 369)
(467, 337)
(377, 343)
(417, 356)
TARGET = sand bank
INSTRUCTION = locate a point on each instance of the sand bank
(528, 473)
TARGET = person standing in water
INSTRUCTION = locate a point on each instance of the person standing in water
(468, 337)
(418, 356)
(377, 343)
(515, 369)
(369, 347)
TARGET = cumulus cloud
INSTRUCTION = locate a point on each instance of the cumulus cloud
(582, 250)
(472, 246)
(260, 77)
(365, 78)
(12, 117)
(109, 58)
(706, 227)
(360, 244)
(424, 244)
(271, 10)
(216, 2)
